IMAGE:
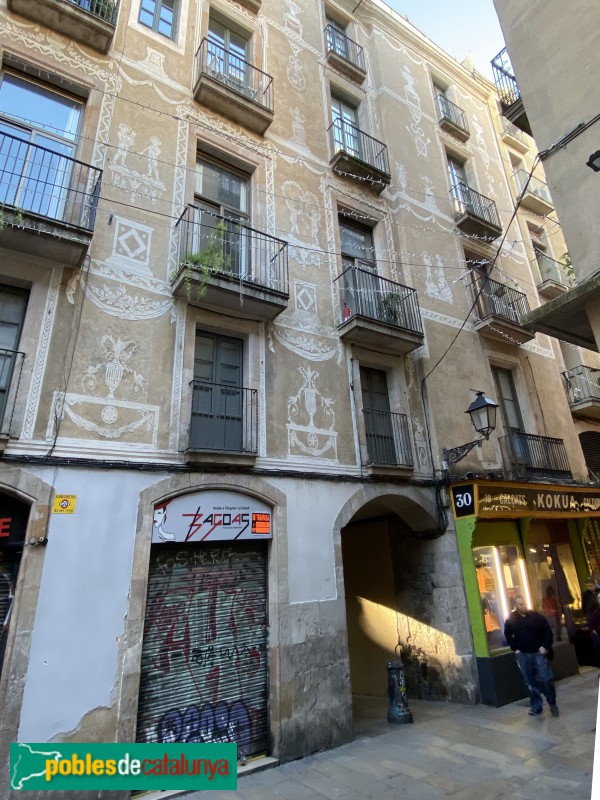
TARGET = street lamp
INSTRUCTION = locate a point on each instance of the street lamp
(594, 161)
(483, 416)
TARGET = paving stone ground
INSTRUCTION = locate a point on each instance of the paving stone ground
(451, 751)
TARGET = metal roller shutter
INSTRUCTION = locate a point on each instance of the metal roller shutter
(204, 653)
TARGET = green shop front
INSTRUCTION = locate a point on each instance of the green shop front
(537, 541)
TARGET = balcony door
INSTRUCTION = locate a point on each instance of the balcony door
(346, 134)
(13, 303)
(378, 421)
(458, 185)
(217, 402)
(227, 58)
(337, 40)
(38, 134)
(517, 445)
(361, 284)
(222, 237)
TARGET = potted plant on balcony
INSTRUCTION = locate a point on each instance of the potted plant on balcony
(391, 309)
(211, 259)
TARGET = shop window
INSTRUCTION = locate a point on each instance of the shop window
(554, 584)
(501, 577)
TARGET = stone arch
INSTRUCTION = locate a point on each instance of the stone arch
(177, 486)
(37, 494)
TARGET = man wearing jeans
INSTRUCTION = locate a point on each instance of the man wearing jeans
(530, 637)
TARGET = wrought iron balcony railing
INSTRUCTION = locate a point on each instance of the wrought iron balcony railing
(11, 365)
(388, 438)
(349, 139)
(582, 384)
(106, 10)
(510, 130)
(342, 45)
(535, 185)
(447, 110)
(527, 455)
(229, 69)
(505, 80)
(363, 293)
(493, 299)
(224, 418)
(468, 201)
(41, 181)
(211, 244)
(550, 270)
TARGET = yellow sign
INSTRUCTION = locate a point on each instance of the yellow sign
(64, 504)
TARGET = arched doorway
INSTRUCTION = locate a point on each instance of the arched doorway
(404, 596)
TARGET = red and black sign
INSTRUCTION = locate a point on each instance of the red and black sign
(13, 521)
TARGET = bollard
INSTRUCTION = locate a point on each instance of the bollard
(398, 711)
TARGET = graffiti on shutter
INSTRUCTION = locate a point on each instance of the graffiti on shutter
(204, 654)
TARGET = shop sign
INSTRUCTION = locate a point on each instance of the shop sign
(491, 500)
(211, 516)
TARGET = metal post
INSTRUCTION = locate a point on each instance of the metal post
(398, 711)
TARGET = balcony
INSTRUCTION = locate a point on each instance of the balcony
(498, 310)
(536, 197)
(377, 313)
(359, 156)
(91, 22)
(515, 137)
(509, 93)
(345, 55)
(475, 214)
(582, 385)
(527, 456)
(48, 201)
(553, 278)
(388, 439)
(224, 265)
(224, 419)
(11, 365)
(452, 118)
(231, 86)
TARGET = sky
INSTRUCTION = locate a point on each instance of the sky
(460, 27)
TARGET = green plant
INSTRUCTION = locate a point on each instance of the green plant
(391, 307)
(568, 268)
(213, 258)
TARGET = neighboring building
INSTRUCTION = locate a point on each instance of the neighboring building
(237, 241)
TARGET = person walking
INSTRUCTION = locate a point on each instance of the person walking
(530, 638)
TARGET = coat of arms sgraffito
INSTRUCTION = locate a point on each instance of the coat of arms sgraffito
(311, 420)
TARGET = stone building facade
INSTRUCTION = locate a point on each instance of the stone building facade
(238, 239)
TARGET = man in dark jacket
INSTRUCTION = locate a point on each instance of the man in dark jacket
(530, 637)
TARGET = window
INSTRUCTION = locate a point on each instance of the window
(218, 395)
(346, 133)
(337, 39)
(507, 399)
(360, 282)
(378, 418)
(458, 178)
(13, 303)
(221, 216)
(38, 139)
(160, 16)
(227, 57)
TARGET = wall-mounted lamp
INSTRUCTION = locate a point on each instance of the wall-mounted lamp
(593, 161)
(483, 416)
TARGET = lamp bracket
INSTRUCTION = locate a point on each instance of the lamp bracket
(456, 454)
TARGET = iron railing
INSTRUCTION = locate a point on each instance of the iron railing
(41, 181)
(535, 185)
(106, 10)
(451, 112)
(388, 438)
(349, 139)
(582, 383)
(527, 455)
(363, 293)
(493, 299)
(224, 418)
(11, 366)
(508, 129)
(209, 243)
(342, 45)
(504, 78)
(234, 72)
(468, 201)
(550, 270)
